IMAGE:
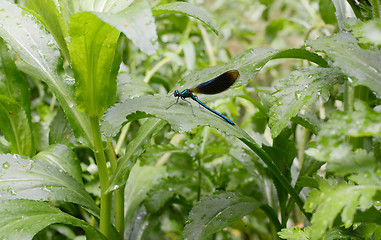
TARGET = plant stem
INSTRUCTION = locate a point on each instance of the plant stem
(122, 136)
(119, 193)
(199, 175)
(119, 210)
(376, 9)
(105, 221)
(362, 93)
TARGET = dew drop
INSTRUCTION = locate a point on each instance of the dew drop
(6, 165)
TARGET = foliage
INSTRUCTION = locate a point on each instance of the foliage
(89, 148)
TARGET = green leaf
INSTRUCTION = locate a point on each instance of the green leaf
(302, 88)
(139, 183)
(49, 11)
(308, 120)
(179, 116)
(137, 23)
(301, 53)
(355, 62)
(15, 127)
(92, 49)
(38, 180)
(60, 131)
(64, 158)
(332, 146)
(22, 219)
(368, 32)
(28, 38)
(111, 6)
(67, 8)
(13, 85)
(332, 199)
(186, 9)
(341, 233)
(295, 233)
(131, 86)
(133, 151)
(327, 11)
(163, 191)
(217, 211)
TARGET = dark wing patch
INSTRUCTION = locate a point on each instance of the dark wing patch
(217, 84)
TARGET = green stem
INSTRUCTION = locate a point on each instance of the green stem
(348, 97)
(122, 137)
(277, 173)
(111, 155)
(119, 193)
(105, 221)
(272, 216)
(362, 93)
(199, 175)
(376, 9)
(119, 210)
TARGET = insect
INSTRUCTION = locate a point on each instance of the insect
(214, 86)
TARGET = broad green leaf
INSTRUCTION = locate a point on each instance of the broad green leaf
(49, 11)
(12, 84)
(137, 23)
(333, 199)
(362, 65)
(139, 183)
(38, 180)
(133, 151)
(64, 158)
(22, 219)
(179, 116)
(15, 127)
(186, 9)
(92, 49)
(302, 88)
(28, 38)
(217, 211)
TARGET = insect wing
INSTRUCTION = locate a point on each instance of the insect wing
(217, 84)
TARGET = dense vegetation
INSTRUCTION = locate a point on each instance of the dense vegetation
(89, 148)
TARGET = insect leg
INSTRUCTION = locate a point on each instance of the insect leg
(177, 100)
(189, 104)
